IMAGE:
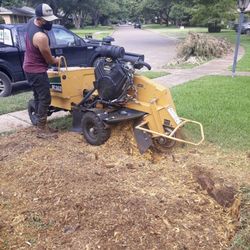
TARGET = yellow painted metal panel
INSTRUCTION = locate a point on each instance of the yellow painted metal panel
(74, 81)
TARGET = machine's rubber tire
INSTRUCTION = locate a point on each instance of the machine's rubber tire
(94, 130)
(163, 145)
(248, 32)
(5, 85)
(31, 111)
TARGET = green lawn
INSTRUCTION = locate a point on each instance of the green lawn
(183, 65)
(14, 103)
(221, 104)
(174, 31)
(244, 63)
(97, 32)
(153, 74)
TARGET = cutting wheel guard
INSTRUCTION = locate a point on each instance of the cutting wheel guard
(171, 135)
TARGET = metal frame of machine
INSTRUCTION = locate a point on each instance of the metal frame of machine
(149, 105)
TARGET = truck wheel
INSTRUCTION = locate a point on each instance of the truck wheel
(94, 130)
(248, 32)
(5, 85)
(32, 112)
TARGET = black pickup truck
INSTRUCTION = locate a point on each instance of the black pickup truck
(78, 52)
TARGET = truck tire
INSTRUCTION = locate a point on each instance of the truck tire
(94, 130)
(5, 85)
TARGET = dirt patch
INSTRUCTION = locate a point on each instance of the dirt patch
(66, 194)
(223, 194)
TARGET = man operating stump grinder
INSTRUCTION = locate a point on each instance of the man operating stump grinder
(36, 61)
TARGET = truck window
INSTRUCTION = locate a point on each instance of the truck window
(1, 36)
(63, 37)
(20, 37)
(5, 37)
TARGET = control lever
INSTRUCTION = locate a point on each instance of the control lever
(141, 64)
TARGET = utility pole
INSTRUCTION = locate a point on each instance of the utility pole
(242, 5)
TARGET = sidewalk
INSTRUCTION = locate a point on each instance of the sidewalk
(14, 121)
(213, 67)
(20, 119)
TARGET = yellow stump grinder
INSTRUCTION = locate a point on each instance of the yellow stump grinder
(111, 93)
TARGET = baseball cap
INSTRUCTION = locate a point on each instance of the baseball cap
(44, 11)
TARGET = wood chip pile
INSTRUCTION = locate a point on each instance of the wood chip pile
(67, 194)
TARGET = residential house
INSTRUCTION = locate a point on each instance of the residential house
(16, 15)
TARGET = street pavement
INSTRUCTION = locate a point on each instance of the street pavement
(158, 51)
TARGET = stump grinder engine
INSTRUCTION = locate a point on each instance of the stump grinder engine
(99, 98)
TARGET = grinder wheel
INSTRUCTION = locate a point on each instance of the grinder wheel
(162, 144)
(32, 112)
(94, 130)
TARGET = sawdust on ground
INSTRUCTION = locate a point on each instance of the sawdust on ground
(67, 194)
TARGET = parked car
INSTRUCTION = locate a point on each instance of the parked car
(245, 28)
(137, 25)
(78, 52)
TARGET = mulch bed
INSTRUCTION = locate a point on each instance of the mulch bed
(67, 194)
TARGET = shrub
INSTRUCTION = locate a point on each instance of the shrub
(202, 46)
(214, 28)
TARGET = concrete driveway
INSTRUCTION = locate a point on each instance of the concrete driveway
(158, 49)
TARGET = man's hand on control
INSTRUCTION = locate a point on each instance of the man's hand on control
(56, 60)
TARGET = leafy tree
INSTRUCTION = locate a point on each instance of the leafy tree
(159, 8)
(181, 12)
(198, 12)
(213, 11)
(11, 3)
(76, 9)
(165, 9)
(53, 3)
(97, 8)
(151, 9)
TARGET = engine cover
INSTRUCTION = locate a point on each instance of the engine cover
(111, 84)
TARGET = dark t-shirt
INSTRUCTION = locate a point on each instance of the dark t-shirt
(34, 62)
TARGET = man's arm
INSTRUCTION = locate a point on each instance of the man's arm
(41, 42)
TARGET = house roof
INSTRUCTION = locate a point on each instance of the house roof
(24, 11)
(4, 11)
(29, 9)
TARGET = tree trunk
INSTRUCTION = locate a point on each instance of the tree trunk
(84, 17)
(96, 19)
(164, 18)
(77, 19)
